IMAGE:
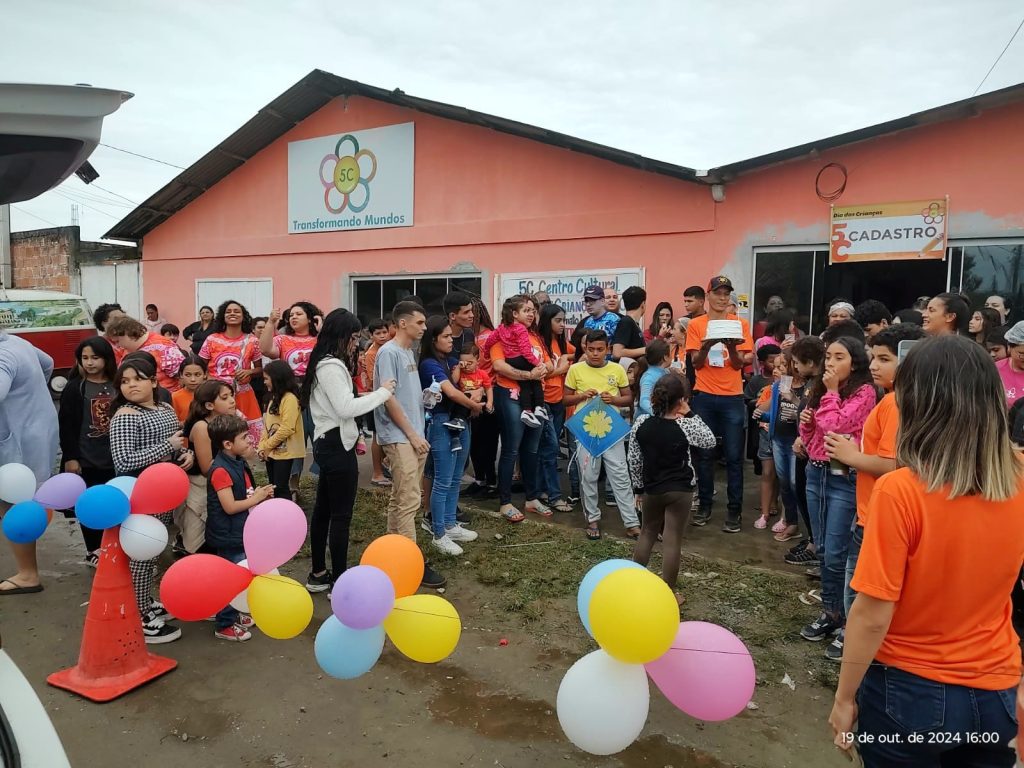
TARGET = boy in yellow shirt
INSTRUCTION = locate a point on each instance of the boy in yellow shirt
(595, 376)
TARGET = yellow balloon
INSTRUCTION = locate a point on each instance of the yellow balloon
(425, 628)
(634, 615)
(281, 607)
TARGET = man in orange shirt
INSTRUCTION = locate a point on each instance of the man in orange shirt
(718, 400)
(877, 454)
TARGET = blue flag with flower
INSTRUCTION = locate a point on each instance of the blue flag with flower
(597, 426)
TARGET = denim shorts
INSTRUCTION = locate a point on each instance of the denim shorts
(764, 445)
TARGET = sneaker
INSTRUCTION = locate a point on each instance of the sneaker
(178, 548)
(573, 498)
(426, 524)
(814, 573)
(432, 579)
(157, 611)
(804, 543)
(474, 489)
(701, 517)
(446, 545)
(834, 652)
(610, 502)
(155, 632)
(821, 628)
(456, 424)
(541, 413)
(461, 517)
(529, 419)
(245, 621)
(731, 525)
(459, 533)
(456, 442)
(92, 559)
(320, 583)
(235, 633)
(803, 557)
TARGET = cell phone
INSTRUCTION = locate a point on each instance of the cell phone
(903, 349)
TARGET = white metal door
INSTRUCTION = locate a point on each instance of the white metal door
(256, 295)
(113, 284)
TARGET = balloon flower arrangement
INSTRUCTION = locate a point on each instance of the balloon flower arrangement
(376, 598)
(604, 698)
(125, 501)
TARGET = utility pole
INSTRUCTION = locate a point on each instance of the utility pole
(5, 246)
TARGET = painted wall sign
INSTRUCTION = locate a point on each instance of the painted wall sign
(565, 288)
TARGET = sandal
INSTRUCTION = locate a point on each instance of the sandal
(512, 514)
(780, 526)
(19, 589)
(538, 507)
(633, 533)
(561, 505)
(787, 533)
(761, 523)
(593, 532)
(382, 483)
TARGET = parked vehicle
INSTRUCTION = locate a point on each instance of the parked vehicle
(52, 321)
(27, 737)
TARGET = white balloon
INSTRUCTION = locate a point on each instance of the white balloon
(17, 483)
(241, 601)
(143, 537)
(603, 703)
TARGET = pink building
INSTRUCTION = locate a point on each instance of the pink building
(350, 195)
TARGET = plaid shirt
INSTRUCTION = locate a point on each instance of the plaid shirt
(138, 437)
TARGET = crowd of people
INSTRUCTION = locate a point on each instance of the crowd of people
(884, 447)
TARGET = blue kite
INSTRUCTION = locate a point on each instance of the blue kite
(597, 426)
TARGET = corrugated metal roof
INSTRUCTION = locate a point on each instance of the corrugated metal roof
(318, 88)
(307, 96)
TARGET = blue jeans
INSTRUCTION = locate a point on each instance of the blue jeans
(448, 469)
(852, 555)
(574, 467)
(547, 456)
(726, 415)
(894, 705)
(785, 470)
(227, 615)
(517, 442)
(307, 428)
(835, 499)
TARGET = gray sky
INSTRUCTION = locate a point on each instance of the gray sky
(695, 83)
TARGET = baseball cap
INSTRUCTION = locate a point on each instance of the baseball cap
(593, 292)
(720, 281)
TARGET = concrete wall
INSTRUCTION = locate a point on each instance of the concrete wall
(46, 258)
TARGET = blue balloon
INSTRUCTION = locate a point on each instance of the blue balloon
(590, 582)
(102, 506)
(125, 483)
(347, 653)
(25, 522)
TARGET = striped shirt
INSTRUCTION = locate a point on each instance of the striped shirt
(139, 437)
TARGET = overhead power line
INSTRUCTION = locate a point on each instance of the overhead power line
(999, 57)
(144, 157)
(84, 205)
(34, 216)
(111, 192)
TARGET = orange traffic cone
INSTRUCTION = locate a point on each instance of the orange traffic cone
(114, 659)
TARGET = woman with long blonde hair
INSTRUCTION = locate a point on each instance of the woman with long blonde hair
(931, 662)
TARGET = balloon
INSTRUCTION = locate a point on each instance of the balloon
(425, 628)
(273, 534)
(347, 653)
(602, 703)
(241, 601)
(17, 483)
(281, 607)
(591, 580)
(25, 522)
(197, 586)
(634, 615)
(143, 537)
(708, 672)
(61, 491)
(102, 506)
(399, 558)
(160, 488)
(124, 483)
(363, 597)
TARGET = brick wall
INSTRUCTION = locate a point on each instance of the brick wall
(45, 258)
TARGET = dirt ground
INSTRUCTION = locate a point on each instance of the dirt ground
(266, 703)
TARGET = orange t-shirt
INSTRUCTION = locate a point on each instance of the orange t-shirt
(295, 350)
(182, 401)
(371, 359)
(498, 353)
(717, 377)
(877, 439)
(949, 565)
(554, 386)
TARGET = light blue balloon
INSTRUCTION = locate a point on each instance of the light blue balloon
(347, 653)
(125, 484)
(25, 522)
(102, 507)
(590, 582)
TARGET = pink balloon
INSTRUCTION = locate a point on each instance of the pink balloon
(708, 672)
(273, 534)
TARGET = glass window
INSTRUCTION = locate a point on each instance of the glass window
(376, 296)
(995, 269)
(432, 291)
(394, 291)
(367, 300)
(787, 275)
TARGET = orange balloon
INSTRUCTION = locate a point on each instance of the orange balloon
(400, 559)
